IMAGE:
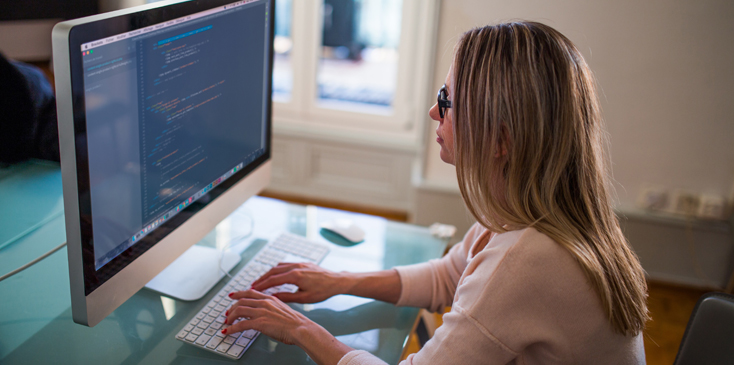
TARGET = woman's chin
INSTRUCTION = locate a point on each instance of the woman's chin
(446, 157)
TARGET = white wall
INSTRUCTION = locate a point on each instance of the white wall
(666, 72)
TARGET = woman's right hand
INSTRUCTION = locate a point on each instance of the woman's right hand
(315, 284)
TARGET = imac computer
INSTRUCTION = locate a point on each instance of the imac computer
(165, 129)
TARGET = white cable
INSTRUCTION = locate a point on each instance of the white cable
(32, 262)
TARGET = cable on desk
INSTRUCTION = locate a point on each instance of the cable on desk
(47, 254)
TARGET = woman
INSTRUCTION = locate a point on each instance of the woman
(545, 275)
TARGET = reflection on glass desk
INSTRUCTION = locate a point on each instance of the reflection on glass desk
(35, 318)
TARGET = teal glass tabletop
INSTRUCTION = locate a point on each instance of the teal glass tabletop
(36, 324)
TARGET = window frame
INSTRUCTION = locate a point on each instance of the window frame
(302, 114)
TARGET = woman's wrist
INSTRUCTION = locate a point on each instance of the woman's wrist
(319, 344)
(346, 283)
(381, 285)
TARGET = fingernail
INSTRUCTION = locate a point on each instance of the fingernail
(224, 331)
(226, 313)
(231, 295)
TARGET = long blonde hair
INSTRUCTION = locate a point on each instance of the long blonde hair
(530, 152)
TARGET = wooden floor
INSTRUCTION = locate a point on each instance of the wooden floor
(670, 306)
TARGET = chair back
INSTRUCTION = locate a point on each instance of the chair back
(709, 336)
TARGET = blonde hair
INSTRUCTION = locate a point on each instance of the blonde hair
(530, 152)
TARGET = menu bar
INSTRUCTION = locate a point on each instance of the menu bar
(120, 37)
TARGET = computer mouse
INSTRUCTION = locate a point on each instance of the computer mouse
(345, 228)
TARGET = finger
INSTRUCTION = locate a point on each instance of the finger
(287, 278)
(244, 325)
(250, 293)
(242, 312)
(245, 302)
(281, 268)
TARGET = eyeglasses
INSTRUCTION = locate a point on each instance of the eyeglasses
(443, 101)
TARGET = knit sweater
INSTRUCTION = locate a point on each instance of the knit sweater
(516, 298)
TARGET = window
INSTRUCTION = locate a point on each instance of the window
(358, 62)
(356, 69)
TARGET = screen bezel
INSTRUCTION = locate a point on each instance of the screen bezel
(101, 29)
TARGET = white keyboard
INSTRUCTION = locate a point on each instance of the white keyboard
(204, 330)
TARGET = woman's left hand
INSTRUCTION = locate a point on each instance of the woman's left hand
(266, 314)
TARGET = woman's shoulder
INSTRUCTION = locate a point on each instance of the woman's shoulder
(526, 262)
(534, 248)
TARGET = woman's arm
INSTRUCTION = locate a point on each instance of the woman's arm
(316, 284)
(381, 285)
(427, 285)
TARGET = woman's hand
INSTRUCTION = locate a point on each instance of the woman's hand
(277, 320)
(315, 284)
(266, 314)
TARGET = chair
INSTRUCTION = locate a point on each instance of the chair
(709, 336)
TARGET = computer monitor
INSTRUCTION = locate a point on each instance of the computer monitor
(164, 127)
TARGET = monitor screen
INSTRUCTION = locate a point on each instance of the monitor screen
(170, 109)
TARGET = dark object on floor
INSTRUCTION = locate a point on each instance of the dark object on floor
(28, 127)
(709, 337)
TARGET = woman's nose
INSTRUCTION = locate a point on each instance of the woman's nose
(433, 113)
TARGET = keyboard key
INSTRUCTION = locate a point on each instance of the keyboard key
(208, 319)
(181, 334)
(188, 327)
(230, 340)
(200, 315)
(243, 341)
(210, 331)
(223, 347)
(220, 308)
(235, 350)
(191, 337)
(202, 325)
(249, 334)
(214, 342)
(315, 256)
(197, 331)
(202, 340)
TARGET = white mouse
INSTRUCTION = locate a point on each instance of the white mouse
(345, 228)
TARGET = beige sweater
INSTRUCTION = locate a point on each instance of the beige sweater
(522, 299)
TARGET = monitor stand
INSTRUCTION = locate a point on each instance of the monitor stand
(194, 273)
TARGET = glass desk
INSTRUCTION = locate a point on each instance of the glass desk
(35, 309)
